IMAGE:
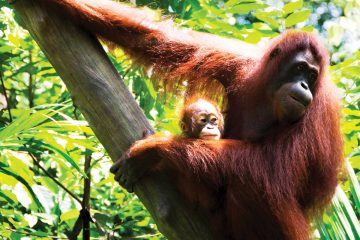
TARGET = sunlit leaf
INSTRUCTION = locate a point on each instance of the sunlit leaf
(70, 215)
(307, 29)
(354, 183)
(8, 196)
(297, 17)
(253, 37)
(232, 3)
(14, 39)
(351, 71)
(28, 187)
(292, 6)
(63, 154)
(267, 18)
(246, 8)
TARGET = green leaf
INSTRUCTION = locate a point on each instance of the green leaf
(62, 153)
(40, 234)
(4, 49)
(16, 236)
(28, 119)
(14, 39)
(351, 72)
(307, 29)
(297, 17)
(354, 185)
(144, 222)
(74, 213)
(22, 180)
(102, 218)
(16, 126)
(292, 6)
(246, 8)
(232, 3)
(348, 111)
(35, 233)
(253, 37)
(267, 18)
(49, 183)
(66, 126)
(7, 198)
(346, 214)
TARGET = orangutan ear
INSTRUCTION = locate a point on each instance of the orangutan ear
(184, 127)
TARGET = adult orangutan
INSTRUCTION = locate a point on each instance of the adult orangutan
(281, 110)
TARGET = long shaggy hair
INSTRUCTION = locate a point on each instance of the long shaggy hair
(272, 186)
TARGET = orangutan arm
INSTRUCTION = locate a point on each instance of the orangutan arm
(173, 54)
(204, 158)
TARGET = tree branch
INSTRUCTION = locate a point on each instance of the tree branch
(111, 111)
(31, 82)
(86, 196)
(6, 96)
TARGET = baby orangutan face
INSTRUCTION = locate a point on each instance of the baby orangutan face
(201, 119)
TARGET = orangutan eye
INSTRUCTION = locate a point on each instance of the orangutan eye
(203, 120)
(313, 76)
(213, 120)
(301, 67)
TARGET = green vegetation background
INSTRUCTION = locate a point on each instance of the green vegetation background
(45, 139)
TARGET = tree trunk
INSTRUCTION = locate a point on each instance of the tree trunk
(111, 111)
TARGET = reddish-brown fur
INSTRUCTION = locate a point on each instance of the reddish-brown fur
(276, 175)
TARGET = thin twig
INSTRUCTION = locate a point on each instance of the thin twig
(6, 97)
(31, 82)
(76, 229)
(86, 195)
(87, 182)
(53, 178)
(84, 217)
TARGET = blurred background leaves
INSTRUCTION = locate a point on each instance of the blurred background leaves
(44, 139)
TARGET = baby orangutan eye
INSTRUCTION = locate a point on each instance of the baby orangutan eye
(213, 120)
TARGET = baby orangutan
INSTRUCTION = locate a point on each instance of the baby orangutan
(202, 119)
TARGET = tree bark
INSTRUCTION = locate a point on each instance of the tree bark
(111, 111)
